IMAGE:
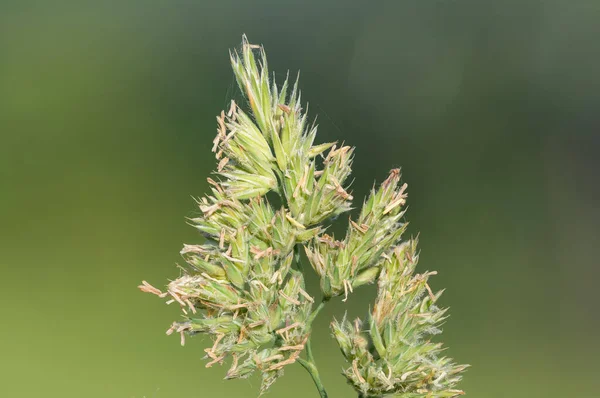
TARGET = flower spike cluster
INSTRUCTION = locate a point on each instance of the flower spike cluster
(391, 353)
(244, 287)
(344, 265)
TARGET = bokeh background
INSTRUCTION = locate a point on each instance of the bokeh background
(107, 112)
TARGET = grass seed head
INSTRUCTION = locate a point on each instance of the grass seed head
(241, 287)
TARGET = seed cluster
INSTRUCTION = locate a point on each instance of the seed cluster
(391, 353)
(243, 286)
(344, 265)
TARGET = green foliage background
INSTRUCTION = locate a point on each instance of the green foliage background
(107, 112)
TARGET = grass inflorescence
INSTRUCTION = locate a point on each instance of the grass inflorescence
(244, 286)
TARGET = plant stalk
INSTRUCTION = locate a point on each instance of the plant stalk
(309, 363)
(311, 368)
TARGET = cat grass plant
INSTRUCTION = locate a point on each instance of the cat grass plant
(244, 286)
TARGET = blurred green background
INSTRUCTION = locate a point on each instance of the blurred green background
(107, 112)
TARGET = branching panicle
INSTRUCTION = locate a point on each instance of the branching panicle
(241, 286)
(391, 353)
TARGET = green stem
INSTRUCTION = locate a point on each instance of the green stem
(309, 354)
(314, 314)
(309, 362)
(314, 373)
